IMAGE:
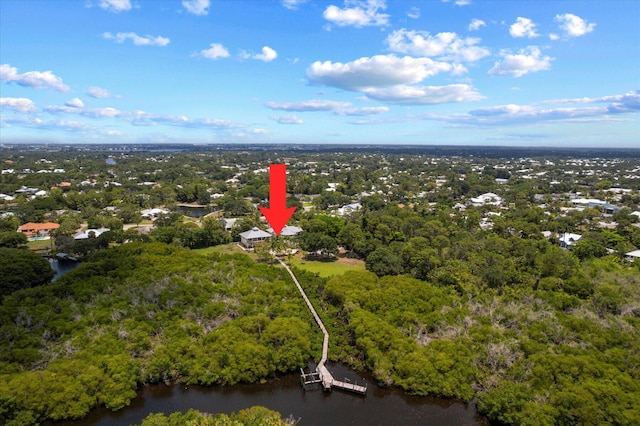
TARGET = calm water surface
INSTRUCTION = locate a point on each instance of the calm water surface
(285, 395)
(62, 268)
(196, 212)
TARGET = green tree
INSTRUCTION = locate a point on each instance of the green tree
(383, 261)
(22, 269)
(12, 239)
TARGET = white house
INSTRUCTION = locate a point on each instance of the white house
(349, 208)
(287, 231)
(153, 213)
(632, 255)
(227, 224)
(567, 240)
(84, 235)
(488, 198)
(253, 236)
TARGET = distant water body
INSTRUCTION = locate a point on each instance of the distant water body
(285, 395)
(62, 268)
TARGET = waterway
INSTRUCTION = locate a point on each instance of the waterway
(62, 268)
(194, 211)
(309, 407)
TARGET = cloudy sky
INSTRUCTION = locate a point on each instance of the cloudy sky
(473, 72)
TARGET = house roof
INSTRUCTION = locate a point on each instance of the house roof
(83, 235)
(635, 253)
(229, 221)
(35, 227)
(287, 231)
(352, 206)
(155, 211)
(569, 238)
(254, 233)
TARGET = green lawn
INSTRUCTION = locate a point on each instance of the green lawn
(327, 269)
(39, 245)
(230, 248)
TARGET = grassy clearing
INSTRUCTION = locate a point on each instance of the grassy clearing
(230, 248)
(324, 269)
(327, 269)
(39, 245)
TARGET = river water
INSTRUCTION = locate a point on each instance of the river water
(62, 268)
(285, 395)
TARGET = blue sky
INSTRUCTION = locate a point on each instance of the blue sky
(472, 72)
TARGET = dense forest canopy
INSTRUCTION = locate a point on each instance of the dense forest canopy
(148, 313)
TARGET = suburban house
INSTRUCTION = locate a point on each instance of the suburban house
(632, 255)
(488, 198)
(349, 208)
(227, 224)
(250, 238)
(287, 231)
(153, 213)
(567, 240)
(38, 230)
(84, 235)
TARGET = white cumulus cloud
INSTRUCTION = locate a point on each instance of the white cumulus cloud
(363, 111)
(292, 4)
(36, 79)
(23, 105)
(99, 93)
(75, 103)
(375, 71)
(115, 6)
(287, 119)
(137, 39)
(521, 63)
(197, 7)
(267, 55)
(523, 27)
(459, 2)
(215, 51)
(573, 25)
(476, 24)
(424, 95)
(414, 13)
(514, 114)
(307, 106)
(362, 14)
(445, 45)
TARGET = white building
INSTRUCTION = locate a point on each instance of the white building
(567, 240)
(250, 238)
(488, 198)
(84, 235)
(153, 213)
(349, 208)
(227, 224)
(632, 255)
(287, 231)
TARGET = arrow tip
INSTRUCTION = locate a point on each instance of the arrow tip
(277, 217)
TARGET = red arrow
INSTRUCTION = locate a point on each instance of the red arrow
(277, 214)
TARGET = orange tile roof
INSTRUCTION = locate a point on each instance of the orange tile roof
(35, 227)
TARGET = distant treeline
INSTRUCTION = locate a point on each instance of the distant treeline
(438, 150)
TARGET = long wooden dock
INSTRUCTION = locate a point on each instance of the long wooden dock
(322, 374)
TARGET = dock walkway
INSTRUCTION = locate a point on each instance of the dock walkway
(322, 374)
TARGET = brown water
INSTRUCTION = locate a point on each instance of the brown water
(285, 395)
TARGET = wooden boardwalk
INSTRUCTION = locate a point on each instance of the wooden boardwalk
(322, 374)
